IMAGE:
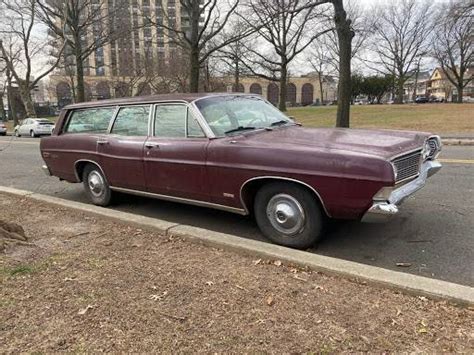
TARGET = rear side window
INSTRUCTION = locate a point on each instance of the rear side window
(93, 120)
(132, 121)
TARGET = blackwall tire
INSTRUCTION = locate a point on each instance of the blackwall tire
(289, 215)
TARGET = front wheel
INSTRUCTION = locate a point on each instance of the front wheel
(96, 186)
(32, 134)
(289, 215)
(17, 134)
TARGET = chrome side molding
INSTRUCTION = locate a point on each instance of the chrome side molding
(181, 200)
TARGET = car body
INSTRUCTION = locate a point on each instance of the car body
(421, 100)
(237, 153)
(3, 129)
(34, 127)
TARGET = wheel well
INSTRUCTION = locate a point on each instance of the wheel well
(250, 189)
(81, 165)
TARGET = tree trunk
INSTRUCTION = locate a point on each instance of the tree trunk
(80, 95)
(2, 109)
(194, 70)
(460, 94)
(237, 74)
(27, 101)
(283, 87)
(344, 35)
(400, 92)
(11, 105)
(320, 79)
(416, 83)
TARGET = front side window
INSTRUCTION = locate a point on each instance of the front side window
(93, 120)
(174, 121)
(132, 121)
(229, 114)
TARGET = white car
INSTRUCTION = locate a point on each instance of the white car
(34, 127)
(3, 129)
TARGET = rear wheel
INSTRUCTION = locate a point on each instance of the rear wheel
(96, 186)
(289, 215)
(17, 134)
(32, 134)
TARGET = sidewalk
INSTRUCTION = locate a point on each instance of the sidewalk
(89, 285)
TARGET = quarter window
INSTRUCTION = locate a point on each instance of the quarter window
(95, 120)
(132, 121)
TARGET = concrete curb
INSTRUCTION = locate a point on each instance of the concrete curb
(406, 283)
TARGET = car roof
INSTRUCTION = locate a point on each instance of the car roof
(150, 99)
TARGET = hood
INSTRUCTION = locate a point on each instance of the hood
(379, 143)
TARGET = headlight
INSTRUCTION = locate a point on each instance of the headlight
(432, 148)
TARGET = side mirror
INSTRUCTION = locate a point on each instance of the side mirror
(293, 118)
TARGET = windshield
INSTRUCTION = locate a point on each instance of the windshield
(230, 114)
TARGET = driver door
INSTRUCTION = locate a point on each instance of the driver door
(175, 154)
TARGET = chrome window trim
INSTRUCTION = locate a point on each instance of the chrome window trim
(285, 179)
(201, 120)
(181, 200)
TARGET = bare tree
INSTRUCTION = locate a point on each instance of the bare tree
(173, 74)
(85, 26)
(22, 51)
(201, 34)
(453, 46)
(145, 71)
(287, 27)
(401, 34)
(230, 57)
(322, 61)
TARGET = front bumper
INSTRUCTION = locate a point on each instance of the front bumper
(383, 210)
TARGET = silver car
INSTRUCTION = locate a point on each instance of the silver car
(3, 129)
(34, 127)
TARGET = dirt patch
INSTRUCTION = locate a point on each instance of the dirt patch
(91, 285)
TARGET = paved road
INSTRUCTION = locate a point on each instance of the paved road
(434, 232)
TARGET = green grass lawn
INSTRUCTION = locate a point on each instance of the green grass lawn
(436, 118)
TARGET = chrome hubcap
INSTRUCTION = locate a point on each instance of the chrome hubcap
(286, 214)
(96, 183)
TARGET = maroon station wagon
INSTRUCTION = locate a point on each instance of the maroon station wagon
(238, 153)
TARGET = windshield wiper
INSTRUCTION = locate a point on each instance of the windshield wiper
(239, 129)
(279, 123)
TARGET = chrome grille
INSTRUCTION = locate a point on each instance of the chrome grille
(407, 166)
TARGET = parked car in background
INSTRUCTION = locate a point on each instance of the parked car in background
(34, 127)
(238, 153)
(421, 100)
(436, 99)
(3, 129)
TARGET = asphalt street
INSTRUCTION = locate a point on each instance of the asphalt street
(433, 234)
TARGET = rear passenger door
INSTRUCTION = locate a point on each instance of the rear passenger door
(121, 152)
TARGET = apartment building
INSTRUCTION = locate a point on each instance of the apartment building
(114, 70)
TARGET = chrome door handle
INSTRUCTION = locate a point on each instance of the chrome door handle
(103, 142)
(150, 145)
